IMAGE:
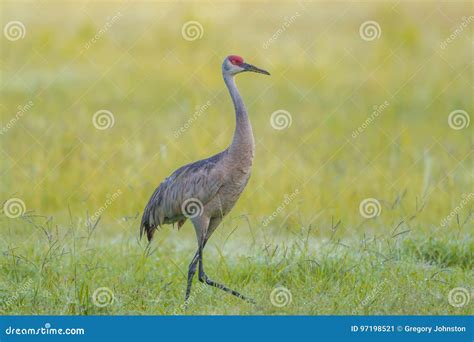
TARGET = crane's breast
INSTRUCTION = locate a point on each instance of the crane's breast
(230, 191)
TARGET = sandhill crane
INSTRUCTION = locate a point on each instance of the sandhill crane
(205, 191)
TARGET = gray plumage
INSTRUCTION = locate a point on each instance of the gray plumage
(200, 180)
(213, 184)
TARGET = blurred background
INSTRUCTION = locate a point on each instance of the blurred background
(367, 104)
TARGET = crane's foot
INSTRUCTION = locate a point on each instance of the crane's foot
(205, 279)
(187, 300)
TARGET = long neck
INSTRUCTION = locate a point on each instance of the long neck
(243, 143)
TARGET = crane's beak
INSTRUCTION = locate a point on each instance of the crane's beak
(253, 68)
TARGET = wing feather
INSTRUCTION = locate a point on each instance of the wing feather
(200, 180)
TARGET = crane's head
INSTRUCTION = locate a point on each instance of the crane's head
(235, 64)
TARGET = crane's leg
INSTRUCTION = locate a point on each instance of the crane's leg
(200, 226)
(191, 272)
(204, 278)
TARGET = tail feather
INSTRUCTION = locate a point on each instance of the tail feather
(147, 225)
(149, 229)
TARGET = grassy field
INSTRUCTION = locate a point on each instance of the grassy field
(362, 205)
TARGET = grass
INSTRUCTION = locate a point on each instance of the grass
(377, 275)
(297, 225)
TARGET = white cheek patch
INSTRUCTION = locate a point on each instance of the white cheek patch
(235, 68)
(232, 68)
